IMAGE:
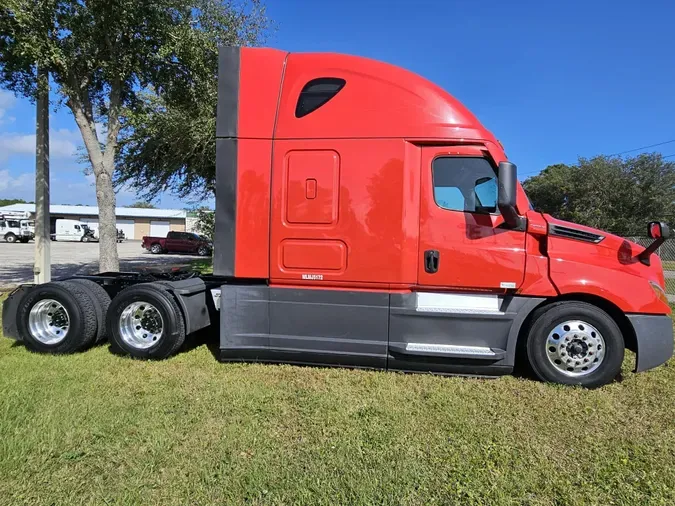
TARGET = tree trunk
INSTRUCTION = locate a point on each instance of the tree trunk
(103, 165)
(107, 222)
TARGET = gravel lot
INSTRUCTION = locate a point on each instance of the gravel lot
(69, 258)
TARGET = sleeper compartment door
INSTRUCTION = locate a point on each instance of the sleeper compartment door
(463, 243)
(311, 319)
(305, 215)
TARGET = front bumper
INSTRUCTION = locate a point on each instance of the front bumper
(654, 336)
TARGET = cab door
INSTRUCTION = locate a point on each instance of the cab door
(463, 242)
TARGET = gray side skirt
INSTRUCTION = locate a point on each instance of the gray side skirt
(366, 329)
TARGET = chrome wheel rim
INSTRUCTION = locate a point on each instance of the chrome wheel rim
(48, 322)
(575, 348)
(141, 325)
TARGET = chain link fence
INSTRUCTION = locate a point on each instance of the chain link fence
(667, 253)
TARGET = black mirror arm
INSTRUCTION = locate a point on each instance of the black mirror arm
(664, 233)
(514, 220)
(649, 250)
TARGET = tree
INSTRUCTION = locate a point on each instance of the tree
(105, 56)
(141, 204)
(206, 222)
(171, 145)
(616, 194)
(9, 202)
(170, 148)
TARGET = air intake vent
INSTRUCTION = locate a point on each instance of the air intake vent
(573, 233)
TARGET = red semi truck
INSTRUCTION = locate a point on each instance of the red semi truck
(365, 218)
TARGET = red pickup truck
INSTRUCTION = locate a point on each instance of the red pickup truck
(178, 242)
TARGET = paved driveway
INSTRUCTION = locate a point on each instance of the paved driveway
(69, 258)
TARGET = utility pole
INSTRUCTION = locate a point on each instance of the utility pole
(42, 269)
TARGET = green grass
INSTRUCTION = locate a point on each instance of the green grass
(203, 265)
(668, 265)
(95, 428)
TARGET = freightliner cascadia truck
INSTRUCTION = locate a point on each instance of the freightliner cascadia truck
(366, 218)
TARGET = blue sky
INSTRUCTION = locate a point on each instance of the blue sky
(552, 80)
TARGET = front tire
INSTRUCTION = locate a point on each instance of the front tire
(56, 318)
(10, 237)
(575, 343)
(145, 321)
(203, 251)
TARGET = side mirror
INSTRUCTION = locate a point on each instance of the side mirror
(507, 194)
(658, 230)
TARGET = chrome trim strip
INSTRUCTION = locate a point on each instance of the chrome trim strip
(450, 348)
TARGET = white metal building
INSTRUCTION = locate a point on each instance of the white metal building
(134, 221)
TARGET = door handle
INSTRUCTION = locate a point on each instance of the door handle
(431, 261)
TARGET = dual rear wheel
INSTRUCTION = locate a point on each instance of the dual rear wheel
(142, 320)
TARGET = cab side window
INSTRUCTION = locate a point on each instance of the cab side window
(465, 184)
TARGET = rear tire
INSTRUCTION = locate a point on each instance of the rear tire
(10, 237)
(145, 321)
(56, 318)
(101, 299)
(156, 249)
(575, 343)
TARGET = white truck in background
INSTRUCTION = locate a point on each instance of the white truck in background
(17, 227)
(74, 231)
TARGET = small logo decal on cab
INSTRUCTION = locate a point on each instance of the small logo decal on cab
(507, 284)
(313, 277)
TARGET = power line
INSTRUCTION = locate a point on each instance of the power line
(643, 147)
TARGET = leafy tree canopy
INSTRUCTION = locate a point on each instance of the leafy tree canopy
(9, 202)
(111, 60)
(616, 194)
(141, 204)
(168, 144)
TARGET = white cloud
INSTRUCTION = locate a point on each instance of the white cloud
(20, 183)
(7, 101)
(62, 143)
(101, 131)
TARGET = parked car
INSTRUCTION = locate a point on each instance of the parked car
(178, 242)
